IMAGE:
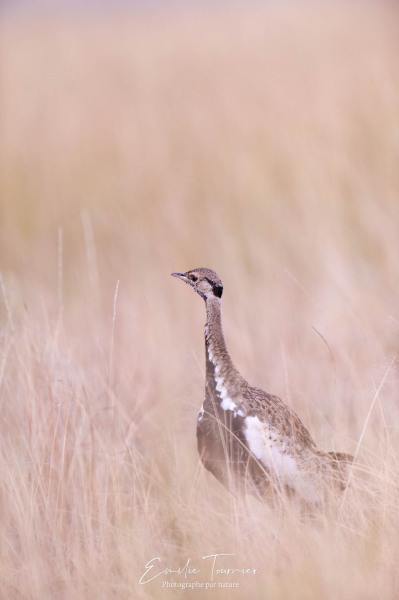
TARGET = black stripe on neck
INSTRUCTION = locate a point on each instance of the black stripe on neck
(217, 291)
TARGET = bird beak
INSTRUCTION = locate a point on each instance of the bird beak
(179, 275)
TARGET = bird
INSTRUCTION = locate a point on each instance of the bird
(249, 439)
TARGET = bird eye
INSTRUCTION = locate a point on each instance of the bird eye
(193, 278)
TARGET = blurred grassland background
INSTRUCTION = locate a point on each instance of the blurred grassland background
(262, 142)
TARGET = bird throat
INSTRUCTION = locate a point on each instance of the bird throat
(220, 371)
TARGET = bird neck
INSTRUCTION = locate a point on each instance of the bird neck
(218, 362)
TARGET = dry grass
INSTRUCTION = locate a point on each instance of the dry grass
(263, 143)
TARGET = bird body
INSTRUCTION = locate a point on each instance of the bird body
(250, 440)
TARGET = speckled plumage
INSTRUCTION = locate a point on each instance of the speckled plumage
(250, 440)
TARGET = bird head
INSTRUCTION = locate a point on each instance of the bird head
(203, 281)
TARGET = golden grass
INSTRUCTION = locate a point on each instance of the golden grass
(263, 143)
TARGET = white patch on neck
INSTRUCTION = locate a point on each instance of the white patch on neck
(271, 452)
(227, 403)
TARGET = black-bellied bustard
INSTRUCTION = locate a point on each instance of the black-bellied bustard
(249, 439)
